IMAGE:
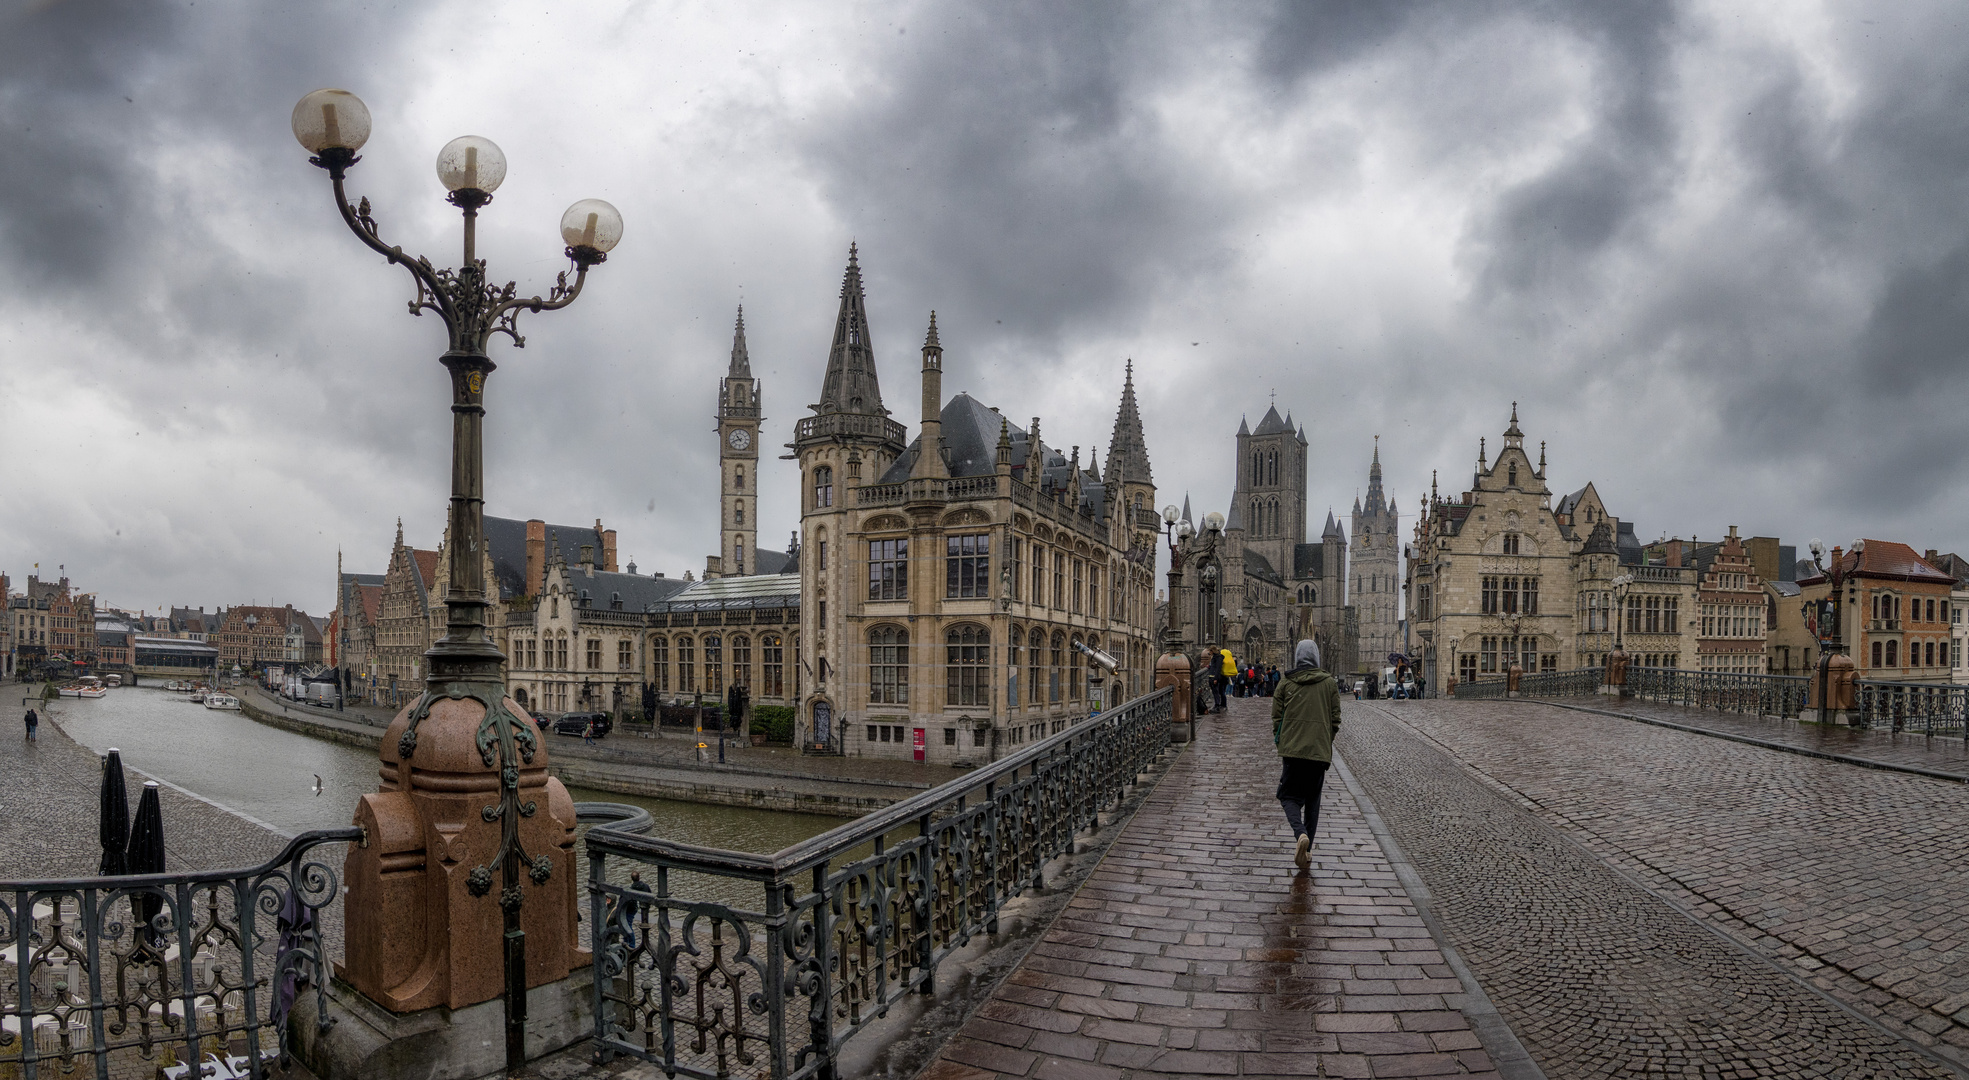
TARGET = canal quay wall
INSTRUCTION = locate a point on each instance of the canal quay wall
(655, 768)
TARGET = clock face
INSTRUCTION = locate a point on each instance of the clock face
(740, 439)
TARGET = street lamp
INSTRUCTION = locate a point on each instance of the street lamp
(465, 663)
(1833, 645)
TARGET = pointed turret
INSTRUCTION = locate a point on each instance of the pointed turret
(929, 454)
(1512, 436)
(1186, 508)
(1271, 424)
(741, 362)
(1234, 521)
(1127, 445)
(850, 385)
(1243, 429)
(1376, 501)
(1332, 526)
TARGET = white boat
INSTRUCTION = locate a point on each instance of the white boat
(113, 679)
(197, 697)
(83, 691)
(221, 701)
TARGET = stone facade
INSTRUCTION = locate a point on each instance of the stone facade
(1375, 565)
(253, 636)
(1270, 586)
(945, 582)
(1896, 618)
(1735, 612)
(1492, 574)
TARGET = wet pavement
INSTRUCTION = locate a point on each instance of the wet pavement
(1197, 948)
(1602, 972)
(1903, 750)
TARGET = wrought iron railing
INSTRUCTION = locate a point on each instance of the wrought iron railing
(846, 924)
(1758, 695)
(1480, 689)
(1578, 682)
(148, 971)
(1926, 708)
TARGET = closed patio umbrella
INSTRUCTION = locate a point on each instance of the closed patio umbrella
(114, 827)
(146, 856)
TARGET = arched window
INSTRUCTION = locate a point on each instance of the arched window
(738, 555)
(686, 665)
(772, 666)
(519, 695)
(742, 661)
(738, 478)
(659, 659)
(1893, 653)
(888, 666)
(1271, 469)
(1073, 672)
(738, 512)
(714, 664)
(967, 664)
(1512, 476)
(1014, 638)
(823, 487)
(1058, 659)
(1035, 665)
(1257, 469)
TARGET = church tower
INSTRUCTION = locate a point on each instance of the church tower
(849, 441)
(738, 463)
(1130, 476)
(1375, 563)
(1271, 489)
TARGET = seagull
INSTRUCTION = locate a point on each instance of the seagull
(317, 784)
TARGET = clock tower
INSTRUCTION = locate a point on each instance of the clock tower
(738, 462)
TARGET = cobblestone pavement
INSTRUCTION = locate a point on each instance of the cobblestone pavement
(49, 814)
(1197, 948)
(1849, 877)
(1939, 754)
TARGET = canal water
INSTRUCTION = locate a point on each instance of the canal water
(268, 773)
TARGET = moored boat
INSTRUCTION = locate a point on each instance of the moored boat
(221, 701)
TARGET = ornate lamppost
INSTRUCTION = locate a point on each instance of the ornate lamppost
(1832, 649)
(1173, 667)
(465, 663)
(1616, 676)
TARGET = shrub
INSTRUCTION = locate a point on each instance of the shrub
(776, 721)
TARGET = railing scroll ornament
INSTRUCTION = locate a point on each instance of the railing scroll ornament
(846, 924)
(85, 977)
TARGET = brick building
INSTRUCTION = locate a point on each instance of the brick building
(1735, 611)
(1895, 612)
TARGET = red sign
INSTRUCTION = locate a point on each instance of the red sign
(917, 741)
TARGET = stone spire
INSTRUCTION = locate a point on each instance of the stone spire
(850, 385)
(1127, 445)
(741, 362)
(1375, 500)
(1512, 436)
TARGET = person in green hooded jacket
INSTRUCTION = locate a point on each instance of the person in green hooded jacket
(1305, 719)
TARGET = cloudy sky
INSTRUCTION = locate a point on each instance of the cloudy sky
(1719, 253)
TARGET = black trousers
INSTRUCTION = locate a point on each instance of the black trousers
(1299, 784)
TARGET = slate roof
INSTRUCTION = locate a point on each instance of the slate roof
(1308, 561)
(1272, 424)
(1599, 541)
(505, 538)
(1885, 558)
(1256, 565)
(607, 588)
(970, 437)
(1954, 566)
(1783, 588)
(1629, 545)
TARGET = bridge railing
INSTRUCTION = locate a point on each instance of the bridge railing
(150, 969)
(1926, 708)
(1757, 695)
(846, 924)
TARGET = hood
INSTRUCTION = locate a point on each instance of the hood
(1307, 676)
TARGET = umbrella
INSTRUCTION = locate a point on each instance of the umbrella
(114, 812)
(147, 857)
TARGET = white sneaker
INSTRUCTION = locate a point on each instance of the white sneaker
(1304, 855)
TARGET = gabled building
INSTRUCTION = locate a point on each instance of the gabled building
(944, 581)
(1734, 609)
(1895, 612)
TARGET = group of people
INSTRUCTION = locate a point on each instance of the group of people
(1227, 679)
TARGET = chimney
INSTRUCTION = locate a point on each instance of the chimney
(588, 559)
(929, 457)
(536, 555)
(608, 549)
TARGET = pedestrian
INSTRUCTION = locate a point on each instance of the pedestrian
(1271, 685)
(588, 733)
(33, 722)
(1305, 718)
(1226, 667)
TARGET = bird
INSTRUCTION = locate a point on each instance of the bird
(317, 785)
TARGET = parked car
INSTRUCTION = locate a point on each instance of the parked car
(573, 723)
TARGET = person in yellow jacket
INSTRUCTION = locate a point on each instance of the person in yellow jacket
(1305, 719)
(1220, 680)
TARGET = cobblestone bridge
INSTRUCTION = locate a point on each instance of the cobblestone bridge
(1510, 889)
